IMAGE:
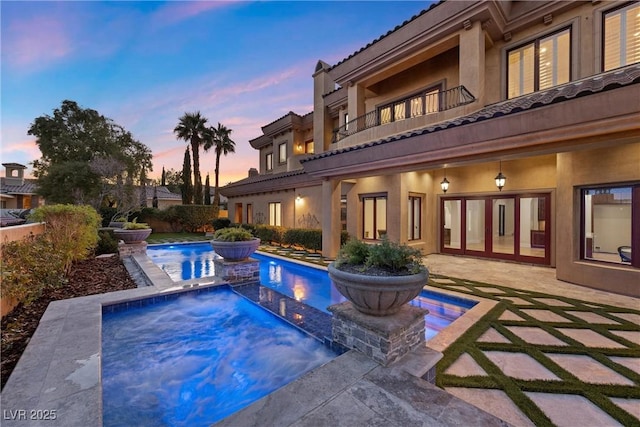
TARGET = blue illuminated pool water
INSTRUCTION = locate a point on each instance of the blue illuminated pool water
(308, 285)
(192, 360)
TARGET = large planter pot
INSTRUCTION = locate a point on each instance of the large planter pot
(377, 295)
(131, 236)
(235, 251)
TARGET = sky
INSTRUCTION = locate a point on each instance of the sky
(144, 64)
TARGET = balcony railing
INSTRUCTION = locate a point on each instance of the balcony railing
(413, 106)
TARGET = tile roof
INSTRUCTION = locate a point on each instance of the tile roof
(598, 83)
(28, 187)
(162, 192)
(264, 177)
(414, 17)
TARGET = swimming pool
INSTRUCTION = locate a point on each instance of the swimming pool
(305, 284)
(191, 359)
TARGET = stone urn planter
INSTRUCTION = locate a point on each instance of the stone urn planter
(234, 243)
(131, 236)
(378, 295)
(378, 279)
(235, 251)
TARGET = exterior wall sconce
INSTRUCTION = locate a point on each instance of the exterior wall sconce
(444, 184)
(500, 178)
(298, 198)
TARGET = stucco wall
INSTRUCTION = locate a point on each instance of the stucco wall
(609, 165)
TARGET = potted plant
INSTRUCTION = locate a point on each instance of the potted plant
(234, 243)
(132, 231)
(378, 279)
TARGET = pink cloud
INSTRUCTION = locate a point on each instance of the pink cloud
(178, 11)
(36, 41)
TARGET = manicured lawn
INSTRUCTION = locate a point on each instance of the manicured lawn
(176, 237)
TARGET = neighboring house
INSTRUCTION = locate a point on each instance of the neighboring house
(165, 197)
(16, 191)
(544, 93)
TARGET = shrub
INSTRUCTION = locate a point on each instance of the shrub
(107, 243)
(135, 225)
(29, 266)
(232, 234)
(72, 230)
(192, 217)
(306, 237)
(354, 252)
(269, 233)
(387, 256)
(220, 223)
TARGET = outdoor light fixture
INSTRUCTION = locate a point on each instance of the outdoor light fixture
(298, 198)
(500, 179)
(445, 182)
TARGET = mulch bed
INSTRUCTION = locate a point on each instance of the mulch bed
(88, 277)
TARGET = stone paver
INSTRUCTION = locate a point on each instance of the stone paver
(495, 402)
(632, 363)
(566, 410)
(633, 336)
(535, 335)
(491, 335)
(591, 317)
(545, 315)
(588, 370)
(520, 365)
(465, 366)
(590, 338)
(510, 315)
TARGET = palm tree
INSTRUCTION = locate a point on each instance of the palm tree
(219, 139)
(191, 128)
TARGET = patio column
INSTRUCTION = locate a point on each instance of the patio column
(473, 57)
(331, 217)
(355, 97)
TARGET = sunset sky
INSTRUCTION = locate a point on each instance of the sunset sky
(144, 64)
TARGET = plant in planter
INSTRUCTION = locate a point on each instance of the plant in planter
(378, 279)
(133, 231)
(234, 243)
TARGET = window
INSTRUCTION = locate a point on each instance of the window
(539, 65)
(414, 214)
(621, 37)
(607, 229)
(282, 153)
(275, 213)
(346, 121)
(419, 104)
(269, 161)
(374, 217)
(308, 147)
(249, 213)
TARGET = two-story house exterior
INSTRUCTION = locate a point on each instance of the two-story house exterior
(528, 111)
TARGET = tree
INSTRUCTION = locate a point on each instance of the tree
(74, 142)
(187, 188)
(191, 128)
(219, 139)
(207, 191)
(164, 178)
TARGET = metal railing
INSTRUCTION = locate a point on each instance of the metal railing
(413, 106)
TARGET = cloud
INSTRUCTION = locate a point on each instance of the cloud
(178, 11)
(33, 42)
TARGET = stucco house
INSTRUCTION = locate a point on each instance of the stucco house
(497, 129)
(16, 191)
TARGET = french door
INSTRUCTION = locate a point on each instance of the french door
(515, 227)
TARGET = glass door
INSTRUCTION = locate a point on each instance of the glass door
(506, 227)
(475, 227)
(502, 226)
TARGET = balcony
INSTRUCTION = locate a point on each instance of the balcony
(407, 108)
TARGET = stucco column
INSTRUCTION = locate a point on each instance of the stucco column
(330, 218)
(322, 124)
(355, 97)
(473, 57)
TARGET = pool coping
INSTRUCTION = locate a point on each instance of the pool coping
(59, 374)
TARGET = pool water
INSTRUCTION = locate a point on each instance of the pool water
(308, 285)
(192, 360)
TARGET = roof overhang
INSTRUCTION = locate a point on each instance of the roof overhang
(599, 119)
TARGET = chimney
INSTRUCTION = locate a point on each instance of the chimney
(253, 172)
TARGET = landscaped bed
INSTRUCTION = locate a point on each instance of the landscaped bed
(88, 277)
